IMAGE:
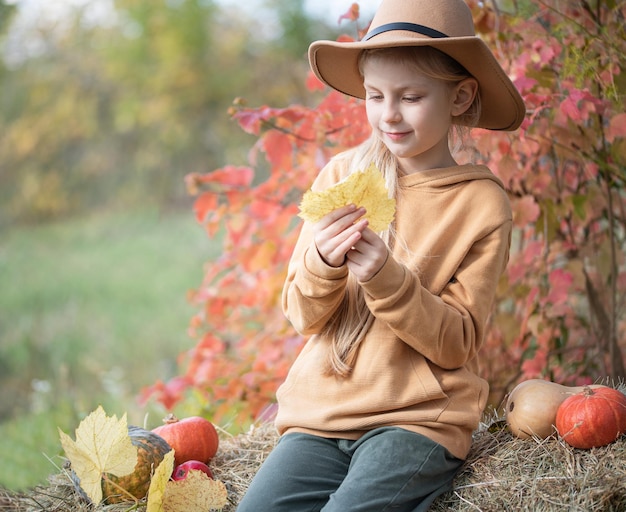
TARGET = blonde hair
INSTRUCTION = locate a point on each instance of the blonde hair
(352, 319)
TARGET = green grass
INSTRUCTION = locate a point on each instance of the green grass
(91, 310)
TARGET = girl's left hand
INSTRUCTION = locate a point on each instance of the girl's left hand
(367, 256)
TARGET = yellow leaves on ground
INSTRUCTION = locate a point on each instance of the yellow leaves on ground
(102, 446)
(196, 492)
(161, 476)
(365, 189)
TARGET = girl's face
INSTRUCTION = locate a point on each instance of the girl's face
(410, 112)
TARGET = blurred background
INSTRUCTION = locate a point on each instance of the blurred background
(105, 107)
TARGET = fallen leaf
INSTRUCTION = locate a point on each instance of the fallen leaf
(196, 492)
(158, 483)
(365, 189)
(102, 446)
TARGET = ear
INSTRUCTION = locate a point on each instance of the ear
(463, 95)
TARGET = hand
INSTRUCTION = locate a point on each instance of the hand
(338, 232)
(367, 256)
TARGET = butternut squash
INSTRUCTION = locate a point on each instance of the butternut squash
(532, 405)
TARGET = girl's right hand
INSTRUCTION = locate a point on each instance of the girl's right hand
(336, 233)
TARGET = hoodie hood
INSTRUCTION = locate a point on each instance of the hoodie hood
(449, 176)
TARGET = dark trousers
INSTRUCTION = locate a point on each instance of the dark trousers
(388, 469)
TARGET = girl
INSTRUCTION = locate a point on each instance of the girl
(378, 410)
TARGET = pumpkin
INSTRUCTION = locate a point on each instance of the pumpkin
(151, 450)
(594, 417)
(531, 407)
(192, 438)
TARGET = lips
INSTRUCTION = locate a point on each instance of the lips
(396, 136)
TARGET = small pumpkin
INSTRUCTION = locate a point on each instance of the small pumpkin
(592, 418)
(531, 407)
(151, 450)
(192, 438)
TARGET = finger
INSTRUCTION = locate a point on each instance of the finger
(340, 220)
(334, 246)
(350, 236)
(334, 252)
(337, 214)
(370, 236)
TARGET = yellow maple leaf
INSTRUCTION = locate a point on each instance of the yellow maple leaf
(158, 483)
(102, 446)
(365, 189)
(196, 492)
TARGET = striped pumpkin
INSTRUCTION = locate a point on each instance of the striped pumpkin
(151, 449)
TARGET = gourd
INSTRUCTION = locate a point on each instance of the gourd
(531, 407)
(192, 438)
(592, 418)
(151, 450)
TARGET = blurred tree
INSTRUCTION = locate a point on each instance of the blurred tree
(6, 12)
(296, 31)
(117, 112)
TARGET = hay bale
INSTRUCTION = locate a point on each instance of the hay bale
(239, 458)
(58, 496)
(537, 475)
(500, 473)
(236, 462)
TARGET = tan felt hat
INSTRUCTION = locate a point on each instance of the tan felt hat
(443, 24)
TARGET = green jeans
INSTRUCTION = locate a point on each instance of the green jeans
(388, 469)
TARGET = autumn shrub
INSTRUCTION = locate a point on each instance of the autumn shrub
(559, 310)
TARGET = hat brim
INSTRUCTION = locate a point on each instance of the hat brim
(502, 108)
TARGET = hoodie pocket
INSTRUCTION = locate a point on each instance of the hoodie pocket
(430, 396)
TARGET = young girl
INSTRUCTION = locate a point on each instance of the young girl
(378, 410)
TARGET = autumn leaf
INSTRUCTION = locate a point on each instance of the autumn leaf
(205, 204)
(617, 127)
(525, 211)
(313, 83)
(351, 14)
(196, 492)
(102, 446)
(362, 188)
(158, 483)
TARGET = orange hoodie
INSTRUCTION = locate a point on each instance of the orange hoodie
(417, 366)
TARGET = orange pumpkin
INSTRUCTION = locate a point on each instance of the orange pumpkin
(531, 407)
(193, 438)
(595, 417)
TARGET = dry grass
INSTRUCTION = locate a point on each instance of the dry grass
(501, 473)
(533, 475)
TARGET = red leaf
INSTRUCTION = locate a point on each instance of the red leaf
(525, 211)
(168, 394)
(251, 120)
(230, 177)
(570, 109)
(278, 149)
(617, 128)
(344, 38)
(560, 284)
(351, 14)
(313, 83)
(205, 204)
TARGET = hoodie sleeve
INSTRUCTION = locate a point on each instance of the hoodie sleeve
(313, 290)
(447, 328)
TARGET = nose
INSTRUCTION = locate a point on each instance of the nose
(391, 112)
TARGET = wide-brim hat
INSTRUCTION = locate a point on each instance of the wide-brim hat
(443, 24)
